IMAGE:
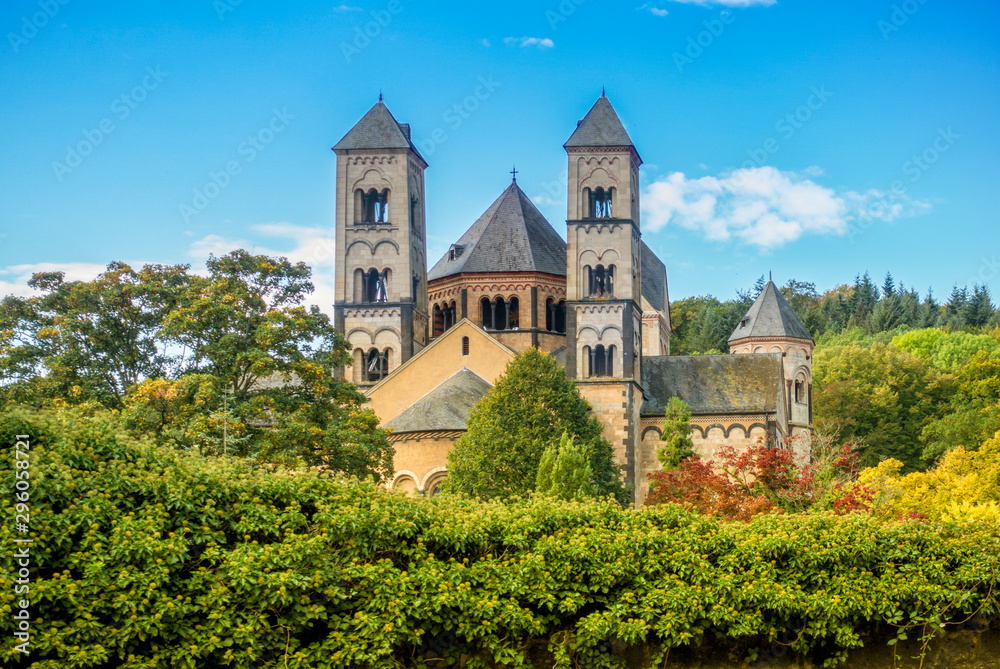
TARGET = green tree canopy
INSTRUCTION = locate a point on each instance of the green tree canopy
(945, 349)
(229, 363)
(532, 404)
(89, 340)
(677, 444)
(880, 395)
(564, 471)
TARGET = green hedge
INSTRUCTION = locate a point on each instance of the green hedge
(151, 558)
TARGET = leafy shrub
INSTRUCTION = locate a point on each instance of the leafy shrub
(151, 558)
(743, 483)
(964, 486)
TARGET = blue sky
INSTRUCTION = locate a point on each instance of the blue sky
(813, 139)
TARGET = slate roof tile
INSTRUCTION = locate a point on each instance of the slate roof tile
(378, 129)
(770, 316)
(713, 384)
(511, 236)
(600, 127)
(446, 408)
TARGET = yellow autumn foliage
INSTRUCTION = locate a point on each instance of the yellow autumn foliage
(963, 487)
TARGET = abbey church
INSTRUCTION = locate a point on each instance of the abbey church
(429, 343)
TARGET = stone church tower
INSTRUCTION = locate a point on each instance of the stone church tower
(771, 326)
(381, 275)
(603, 281)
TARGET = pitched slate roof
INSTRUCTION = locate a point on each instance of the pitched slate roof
(378, 129)
(446, 408)
(713, 383)
(654, 279)
(600, 127)
(512, 236)
(770, 316)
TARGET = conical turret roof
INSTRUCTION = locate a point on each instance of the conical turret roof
(511, 236)
(378, 129)
(600, 127)
(770, 316)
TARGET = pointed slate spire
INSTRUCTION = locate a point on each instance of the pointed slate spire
(600, 127)
(770, 316)
(511, 236)
(378, 129)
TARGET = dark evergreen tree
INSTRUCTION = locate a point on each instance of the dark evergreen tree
(863, 300)
(930, 311)
(953, 312)
(528, 410)
(888, 285)
(979, 308)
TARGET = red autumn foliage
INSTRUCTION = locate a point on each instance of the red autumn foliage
(858, 498)
(741, 484)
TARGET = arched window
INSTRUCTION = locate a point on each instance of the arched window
(413, 213)
(445, 317)
(600, 203)
(375, 206)
(376, 286)
(555, 315)
(376, 365)
(499, 314)
(601, 281)
(600, 361)
(416, 286)
(486, 313)
(799, 386)
(438, 327)
(465, 346)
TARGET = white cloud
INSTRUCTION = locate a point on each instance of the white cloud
(541, 42)
(765, 207)
(18, 276)
(653, 9)
(346, 8)
(728, 3)
(313, 246)
(485, 42)
(544, 200)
